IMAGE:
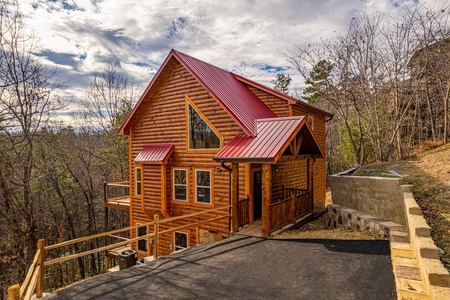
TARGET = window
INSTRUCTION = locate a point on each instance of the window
(142, 245)
(201, 135)
(138, 176)
(203, 186)
(180, 240)
(180, 184)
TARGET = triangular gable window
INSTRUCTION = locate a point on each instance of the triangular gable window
(201, 135)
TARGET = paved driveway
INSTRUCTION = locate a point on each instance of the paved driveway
(253, 268)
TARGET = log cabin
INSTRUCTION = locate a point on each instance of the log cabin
(201, 137)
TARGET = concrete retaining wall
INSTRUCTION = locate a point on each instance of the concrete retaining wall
(378, 196)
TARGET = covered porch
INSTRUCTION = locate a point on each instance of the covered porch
(279, 172)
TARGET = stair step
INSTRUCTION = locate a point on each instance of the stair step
(408, 272)
(399, 237)
(407, 295)
(409, 285)
(402, 250)
(404, 261)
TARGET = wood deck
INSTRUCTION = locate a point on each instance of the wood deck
(119, 203)
(114, 253)
(254, 229)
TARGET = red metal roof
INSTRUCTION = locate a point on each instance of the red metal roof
(154, 154)
(273, 136)
(284, 96)
(227, 88)
(232, 94)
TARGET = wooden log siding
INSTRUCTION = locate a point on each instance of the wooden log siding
(163, 120)
(292, 174)
(152, 188)
(279, 106)
(320, 176)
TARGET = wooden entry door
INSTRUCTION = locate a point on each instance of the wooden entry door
(257, 195)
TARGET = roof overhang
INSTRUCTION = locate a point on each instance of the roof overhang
(274, 135)
(154, 154)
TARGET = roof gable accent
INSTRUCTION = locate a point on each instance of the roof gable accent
(234, 96)
(274, 135)
(154, 154)
(289, 99)
(241, 104)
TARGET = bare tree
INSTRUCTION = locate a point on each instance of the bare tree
(369, 83)
(107, 102)
(26, 103)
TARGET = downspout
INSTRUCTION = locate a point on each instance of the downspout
(222, 163)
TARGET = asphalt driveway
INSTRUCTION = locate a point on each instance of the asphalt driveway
(245, 267)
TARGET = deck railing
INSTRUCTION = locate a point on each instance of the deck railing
(289, 209)
(34, 282)
(244, 212)
(120, 196)
(288, 192)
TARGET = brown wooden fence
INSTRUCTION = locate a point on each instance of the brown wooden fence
(290, 209)
(34, 282)
(244, 212)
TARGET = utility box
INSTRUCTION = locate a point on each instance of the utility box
(127, 259)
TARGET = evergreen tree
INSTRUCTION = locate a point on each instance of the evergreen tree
(317, 81)
(282, 82)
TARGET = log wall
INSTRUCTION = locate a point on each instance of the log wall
(320, 174)
(163, 120)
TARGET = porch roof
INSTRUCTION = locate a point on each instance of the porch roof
(154, 154)
(272, 138)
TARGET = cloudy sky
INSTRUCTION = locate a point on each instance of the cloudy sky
(243, 36)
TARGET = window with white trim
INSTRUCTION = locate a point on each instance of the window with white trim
(203, 186)
(201, 135)
(138, 180)
(180, 184)
(142, 245)
(181, 240)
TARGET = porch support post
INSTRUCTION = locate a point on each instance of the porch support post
(234, 197)
(249, 191)
(266, 198)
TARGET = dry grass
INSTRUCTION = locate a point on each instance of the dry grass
(318, 230)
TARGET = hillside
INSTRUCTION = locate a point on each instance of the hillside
(429, 172)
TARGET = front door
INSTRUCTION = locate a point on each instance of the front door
(257, 195)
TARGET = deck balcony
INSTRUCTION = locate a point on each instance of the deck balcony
(117, 195)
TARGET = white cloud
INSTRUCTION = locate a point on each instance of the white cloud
(245, 36)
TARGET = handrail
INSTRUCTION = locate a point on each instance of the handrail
(34, 279)
(29, 274)
(129, 241)
(98, 235)
(280, 202)
(120, 183)
(119, 237)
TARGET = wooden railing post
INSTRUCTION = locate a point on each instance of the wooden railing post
(293, 215)
(14, 292)
(40, 282)
(156, 220)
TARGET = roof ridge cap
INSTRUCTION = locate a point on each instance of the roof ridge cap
(202, 61)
